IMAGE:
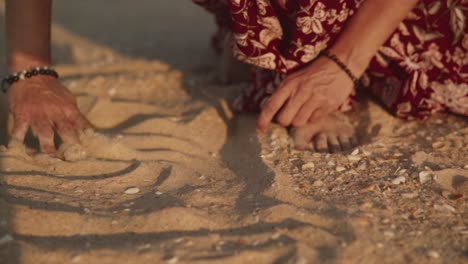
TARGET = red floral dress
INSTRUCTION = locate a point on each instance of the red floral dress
(421, 68)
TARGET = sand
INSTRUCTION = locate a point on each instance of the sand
(172, 175)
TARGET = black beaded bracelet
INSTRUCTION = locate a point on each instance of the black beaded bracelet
(343, 66)
(25, 74)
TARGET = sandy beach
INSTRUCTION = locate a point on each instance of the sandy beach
(172, 175)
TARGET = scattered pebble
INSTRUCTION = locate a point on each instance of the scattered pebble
(318, 183)
(158, 193)
(275, 236)
(389, 234)
(438, 145)
(355, 152)
(76, 259)
(300, 260)
(308, 165)
(366, 153)
(433, 254)
(173, 260)
(362, 166)
(445, 208)
(340, 169)
(425, 176)
(132, 190)
(112, 92)
(354, 158)
(399, 180)
(5, 239)
(411, 195)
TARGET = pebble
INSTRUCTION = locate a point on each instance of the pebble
(354, 158)
(158, 193)
(112, 92)
(173, 260)
(399, 180)
(445, 208)
(132, 190)
(275, 236)
(425, 176)
(410, 195)
(76, 259)
(362, 166)
(308, 165)
(438, 145)
(318, 183)
(433, 254)
(389, 234)
(355, 152)
(340, 169)
(300, 260)
(6, 239)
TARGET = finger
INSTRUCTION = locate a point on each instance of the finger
(20, 128)
(303, 116)
(288, 113)
(333, 143)
(318, 114)
(321, 143)
(354, 141)
(77, 119)
(66, 131)
(345, 142)
(82, 123)
(272, 106)
(45, 133)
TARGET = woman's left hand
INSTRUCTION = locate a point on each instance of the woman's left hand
(307, 95)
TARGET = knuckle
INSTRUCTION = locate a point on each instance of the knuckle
(299, 121)
(283, 120)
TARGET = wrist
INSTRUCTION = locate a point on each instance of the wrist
(40, 74)
(355, 60)
(16, 63)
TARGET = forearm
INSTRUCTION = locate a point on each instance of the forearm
(28, 33)
(368, 30)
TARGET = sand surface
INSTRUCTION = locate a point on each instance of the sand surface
(173, 176)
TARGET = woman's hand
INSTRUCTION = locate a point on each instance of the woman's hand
(44, 105)
(307, 95)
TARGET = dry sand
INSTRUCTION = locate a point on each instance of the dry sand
(173, 176)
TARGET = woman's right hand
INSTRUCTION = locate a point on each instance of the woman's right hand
(43, 104)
